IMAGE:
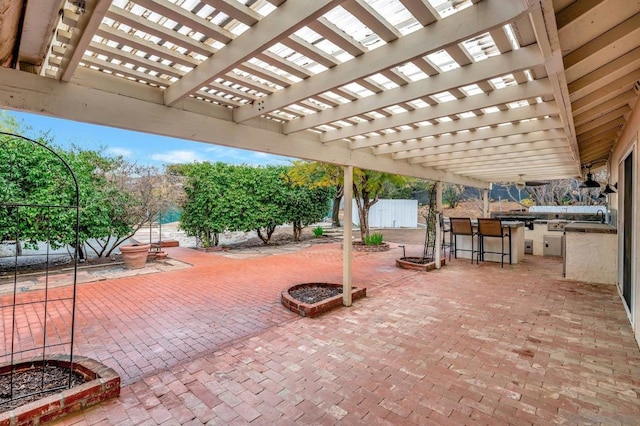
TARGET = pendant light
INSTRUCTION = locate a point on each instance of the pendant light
(589, 182)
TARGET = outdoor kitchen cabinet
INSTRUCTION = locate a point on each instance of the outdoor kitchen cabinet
(591, 253)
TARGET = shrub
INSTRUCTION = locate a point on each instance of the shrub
(318, 231)
(374, 239)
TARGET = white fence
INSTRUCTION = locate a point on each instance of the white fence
(391, 214)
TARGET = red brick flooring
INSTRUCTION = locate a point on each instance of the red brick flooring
(468, 344)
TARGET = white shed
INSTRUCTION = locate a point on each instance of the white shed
(391, 214)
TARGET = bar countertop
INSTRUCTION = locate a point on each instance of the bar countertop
(591, 228)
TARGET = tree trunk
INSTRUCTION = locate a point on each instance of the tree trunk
(335, 214)
(297, 230)
(363, 215)
(269, 232)
(364, 226)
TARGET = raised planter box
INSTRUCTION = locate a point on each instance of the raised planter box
(315, 309)
(413, 263)
(362, 247)
(103, 383)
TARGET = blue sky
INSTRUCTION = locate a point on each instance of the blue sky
(138, 147)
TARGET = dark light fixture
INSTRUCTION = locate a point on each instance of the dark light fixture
(589, 182)
(608, 190)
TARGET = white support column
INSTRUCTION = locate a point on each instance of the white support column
(485, 203)
(438, 250)
(347, 222)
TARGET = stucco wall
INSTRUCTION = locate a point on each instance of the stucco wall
(628, 139)
(591, 257)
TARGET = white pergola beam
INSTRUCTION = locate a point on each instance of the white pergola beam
(529, 129)
(284, 21)
(488, 150)
(387, 140)
(519, 92)
(519, 167)
(28, 92)
(187, 18)
(491, 159)
(82, 37)
(521, 59)
(467, 24)
(145, 46)
(463, 147)
(544, 25)
(125, 17)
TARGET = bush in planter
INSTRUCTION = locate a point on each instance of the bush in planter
(318, 231)
(374, 239)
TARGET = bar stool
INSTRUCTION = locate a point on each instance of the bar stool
(462, 226)
(492, 228)
(444, 230)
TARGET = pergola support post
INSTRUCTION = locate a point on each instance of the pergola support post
(438, 250)
(485, 203)
(347, 222)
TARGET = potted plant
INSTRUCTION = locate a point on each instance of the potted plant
(135, 255)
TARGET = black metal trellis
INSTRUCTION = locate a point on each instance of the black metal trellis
(428, 251)
(39, 324)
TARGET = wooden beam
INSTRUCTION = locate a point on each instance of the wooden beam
(467, 23)
(31, 93)
(508, 94)
(282, 22)
(511, 116)
(512, 140)
(527, 131)
(490, 68)
(82, 35)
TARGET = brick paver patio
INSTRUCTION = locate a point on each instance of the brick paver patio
(467, 344)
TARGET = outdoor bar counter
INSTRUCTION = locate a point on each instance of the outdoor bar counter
(494, 244)
(591, 252)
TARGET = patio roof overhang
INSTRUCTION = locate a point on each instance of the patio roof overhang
(462, 91)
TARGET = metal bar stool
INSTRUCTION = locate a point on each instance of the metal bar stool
(492, 228)
(444, 230)
(462, 226)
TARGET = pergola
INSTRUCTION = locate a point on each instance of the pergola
(463, 91)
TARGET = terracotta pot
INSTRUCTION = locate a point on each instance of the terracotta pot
(135, 256)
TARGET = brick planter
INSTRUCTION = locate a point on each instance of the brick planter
(103, 383)
(413, 263)
(315, 309)
(362, 247)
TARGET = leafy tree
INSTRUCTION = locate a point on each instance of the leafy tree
(315, 174)
(206, 211)
(367, 187)
(410, 189)
(116, 197)
(452, 195)
(260, 194)
(306, 204)
(32, 176)
(221, 197)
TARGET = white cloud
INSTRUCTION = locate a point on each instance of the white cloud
(176, 157)
(114, 150)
